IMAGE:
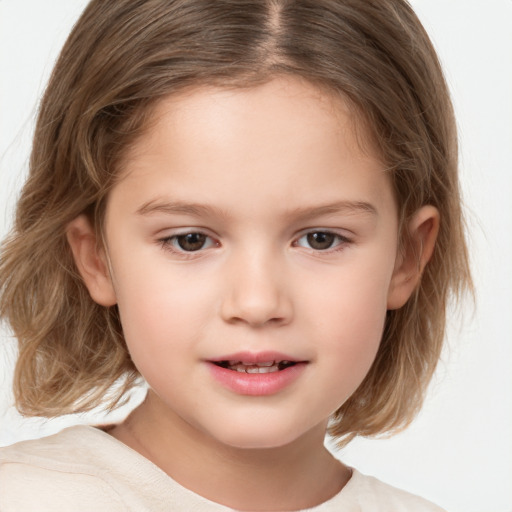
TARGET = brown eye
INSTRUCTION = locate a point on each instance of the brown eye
(320, 240)
(191, 241)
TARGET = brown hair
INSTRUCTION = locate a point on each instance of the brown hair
(124, 56)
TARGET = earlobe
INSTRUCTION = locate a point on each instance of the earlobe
(419, 246)
(90, 261)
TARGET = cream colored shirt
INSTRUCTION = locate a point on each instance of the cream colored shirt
(83, 469)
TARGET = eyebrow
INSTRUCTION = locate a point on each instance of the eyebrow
(202, 210)
(179, 207)
(344, 207)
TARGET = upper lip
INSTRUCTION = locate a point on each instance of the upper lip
(256, 357)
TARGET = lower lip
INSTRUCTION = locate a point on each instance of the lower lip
(256, 384)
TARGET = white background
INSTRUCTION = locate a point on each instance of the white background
(458, 452)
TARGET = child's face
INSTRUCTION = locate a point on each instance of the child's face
(290, 256)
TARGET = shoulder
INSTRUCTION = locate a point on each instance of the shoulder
(84, 469)
(55, 473)
(371, 494)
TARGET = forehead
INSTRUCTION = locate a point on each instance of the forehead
(278, 141)
(224, 106)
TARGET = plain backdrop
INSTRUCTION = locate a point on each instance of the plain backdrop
(458, 452)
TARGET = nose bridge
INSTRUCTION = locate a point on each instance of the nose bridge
(256, 287)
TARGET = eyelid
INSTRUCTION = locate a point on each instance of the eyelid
(343, 240)
(166, 242)
(164, 234)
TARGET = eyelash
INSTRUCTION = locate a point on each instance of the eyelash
(340, 241)
(170, 243)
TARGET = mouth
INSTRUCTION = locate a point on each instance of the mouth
(257, 374)
(253, 367)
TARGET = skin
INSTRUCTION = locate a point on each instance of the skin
(255, 170)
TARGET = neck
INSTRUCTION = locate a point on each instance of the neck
(296, 476)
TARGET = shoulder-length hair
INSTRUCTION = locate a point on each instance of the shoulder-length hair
(123, 57)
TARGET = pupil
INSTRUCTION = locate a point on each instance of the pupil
(191, 241)
(320, 241)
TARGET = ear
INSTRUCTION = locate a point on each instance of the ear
(419, 245)
(91, 261)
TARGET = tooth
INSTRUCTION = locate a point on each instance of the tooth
(255, 368)
(268, 369)
(266, 364)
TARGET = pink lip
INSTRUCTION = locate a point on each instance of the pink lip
(256, 384)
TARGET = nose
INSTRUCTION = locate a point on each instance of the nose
(256, 292)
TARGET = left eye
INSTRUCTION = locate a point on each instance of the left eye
(320, 240)
(189, 242)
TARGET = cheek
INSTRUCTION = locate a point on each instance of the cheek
(354, 337)
(348, 322)
(152, 293)
(160, 316)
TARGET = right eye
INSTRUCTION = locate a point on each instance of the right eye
(187, 242)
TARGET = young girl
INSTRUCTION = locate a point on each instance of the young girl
(253, 205)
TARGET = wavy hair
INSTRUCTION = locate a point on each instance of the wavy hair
(120, 60)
